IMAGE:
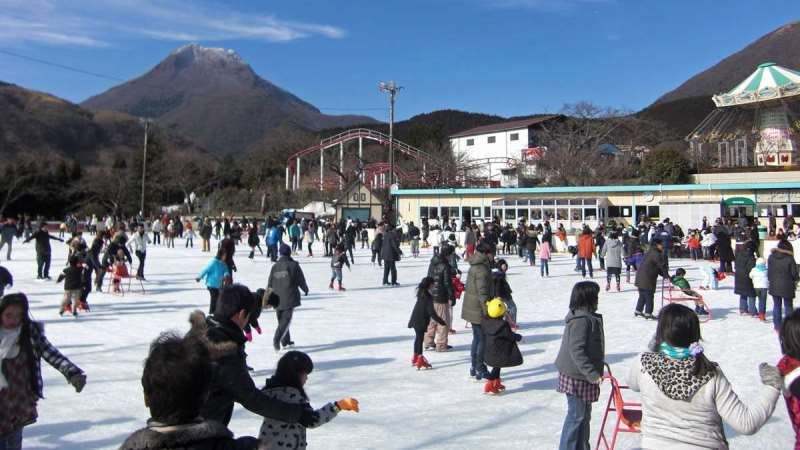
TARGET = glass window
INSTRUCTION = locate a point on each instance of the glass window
(465, 211)
(575, 201)
(777, 210)
(433, 212)
(522, 213)
(548, 214)
(497, 202)
(590, 213)
(491, 140)
(423, 211)
(454, 212)
(641, 211)
(535, 201)
(653, 211)
(486, 212)
(470, 142)
(509, 202)
(513, 137)
(536, 214)
(562, 201)
(496, 213)
(795, 210)
(548, 202)
(476, 212)
(590, 201)
(576, 214)
(522, 202)
(562, 213)
(614, 211)
(511, 214)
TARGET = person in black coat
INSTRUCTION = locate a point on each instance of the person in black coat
(286, 280)
(783, 276)
(724, 249)
(42, 238)
(176, 378)
(390, 252)
(421, 316)
(230, 381)
(652, 266)
(742, 283)
(6, 280)
(500, 348)
(377, 246)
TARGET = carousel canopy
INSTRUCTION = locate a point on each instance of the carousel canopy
(768, 82)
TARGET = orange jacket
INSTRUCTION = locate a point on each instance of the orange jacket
(585, 246)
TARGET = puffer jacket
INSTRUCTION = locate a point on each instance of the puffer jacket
(275, 434)
(585, 246)
(479, 288)
(582, 352)
(612, 252)
(782, 273)
(684, 412)
(199, 435)
(501, 348)
(442, 274)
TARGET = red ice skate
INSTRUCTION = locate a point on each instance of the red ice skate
(490, 387)
(414, 359)
(422, 363)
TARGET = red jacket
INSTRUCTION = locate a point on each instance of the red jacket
(693, 242)
(790, 369)
(585, 246)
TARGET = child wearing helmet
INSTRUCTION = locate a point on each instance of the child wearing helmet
(501, 345)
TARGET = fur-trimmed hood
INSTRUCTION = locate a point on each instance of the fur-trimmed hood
(196, 435)
(222, 338)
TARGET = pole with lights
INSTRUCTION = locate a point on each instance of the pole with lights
(392, 89)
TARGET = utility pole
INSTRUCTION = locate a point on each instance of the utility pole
(392, 89)
(144, 163)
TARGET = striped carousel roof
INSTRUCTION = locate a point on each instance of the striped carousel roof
(770, 81)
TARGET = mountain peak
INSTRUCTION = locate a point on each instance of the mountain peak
(195, 53)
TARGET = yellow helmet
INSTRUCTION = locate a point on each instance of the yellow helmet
(495, 308)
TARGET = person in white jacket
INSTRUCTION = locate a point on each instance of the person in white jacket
(686, 397)
(139, 243)
(761, 285)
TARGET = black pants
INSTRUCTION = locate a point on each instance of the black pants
(615, 271)
(253, 251)
(282, 336)
(310, 253)
(156, 238)
(350, 251)
(645, 301)
(420, 336)
(389, 267)
(494, 374)
(376, 255)
(42, 265)
(213, 294)
(140, 270)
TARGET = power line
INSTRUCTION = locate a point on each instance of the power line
(122, 80)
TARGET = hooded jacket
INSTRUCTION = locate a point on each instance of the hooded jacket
(652, 266)
(479, 288)
(501, 348)
(612, 252)
(782, 273)
(230, 380)
(287, 280)
(684, 412)
(198, 435)
(585, 246)
(582, 352)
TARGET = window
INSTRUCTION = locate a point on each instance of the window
(548, 202)
(562, 202)
(653, 211)
(536, 202)
(496, 213)
(453, 212)
(562, 213)
(423, 211)
(509, 202)
(465, 212)
(511, 214)
(522, 213)
(590, 201)
(491, 140)
(476, 212)
(486, 212)
(497, 202)
(433, 212)
(513, 137)
(470, 142)
(536, 214)
(619, 211)
(522, 202)
(548, 214)
(795, 210)
(576, 215)
(590, 213)
(576, 201)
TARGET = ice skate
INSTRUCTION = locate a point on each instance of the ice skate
(414, 359)
(423, 364)
(341, 288)
(490, 387)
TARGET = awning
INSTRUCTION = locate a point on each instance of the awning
(738, 201)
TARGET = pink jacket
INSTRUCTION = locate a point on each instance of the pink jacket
(544, 251)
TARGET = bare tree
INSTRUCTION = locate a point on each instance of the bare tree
(20, 176)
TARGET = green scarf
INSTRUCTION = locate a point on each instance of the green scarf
(675, 352)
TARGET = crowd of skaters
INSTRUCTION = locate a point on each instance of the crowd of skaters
(213, 359)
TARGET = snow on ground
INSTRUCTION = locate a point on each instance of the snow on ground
(361, 347)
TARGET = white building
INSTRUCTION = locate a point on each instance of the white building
(490, 153)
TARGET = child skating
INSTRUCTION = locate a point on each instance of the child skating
(72, 277)
(679, 281)
(338, 261)
(501, 348)
(421, 317)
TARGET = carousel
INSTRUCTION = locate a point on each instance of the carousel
(757, 123)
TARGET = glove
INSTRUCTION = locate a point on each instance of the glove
(306, 293)
(78, 381)
(347, 404)
(770, 376)
(249, 336)
(197, 280)
(308, 417)
(257, 328)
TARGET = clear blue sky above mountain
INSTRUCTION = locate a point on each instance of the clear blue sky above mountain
(507, 57)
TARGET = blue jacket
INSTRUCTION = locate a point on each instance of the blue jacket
(214, 273)
(274, 237)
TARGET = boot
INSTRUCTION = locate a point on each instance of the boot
(701, 311)
(499, 385)
(68, 308)
(414, 359)
(608, 286)
(618, 287)
(490, 387)
(422, 363)
(762, 317)
(330, 286)
(341, 288)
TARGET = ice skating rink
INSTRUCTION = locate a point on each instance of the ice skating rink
(361, 347)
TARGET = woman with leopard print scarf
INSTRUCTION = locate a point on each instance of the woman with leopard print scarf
(686, 397)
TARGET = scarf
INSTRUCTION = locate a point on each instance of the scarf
(680, 353)
(9, 349)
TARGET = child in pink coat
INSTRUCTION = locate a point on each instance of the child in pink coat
(544, 255)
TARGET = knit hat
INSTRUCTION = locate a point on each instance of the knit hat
(285, 250)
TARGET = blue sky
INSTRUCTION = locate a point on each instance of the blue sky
(506, 57)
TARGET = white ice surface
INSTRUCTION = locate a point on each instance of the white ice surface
(361, 347)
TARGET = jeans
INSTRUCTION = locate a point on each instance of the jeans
(11, 440)
(282, 336)
(42, 265)
(8, 250)
(273, 252)
(336, 274)
(389, 267)
(583, 262)
(545, 269)
(532, 257)
(777, 314)
(414, 247)
(645, 301)
(602, 263)
(476, 350)
(575, 432)
(156, 238)
(762, 300)
(744, 301)
(140, 270)
(213, 294)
